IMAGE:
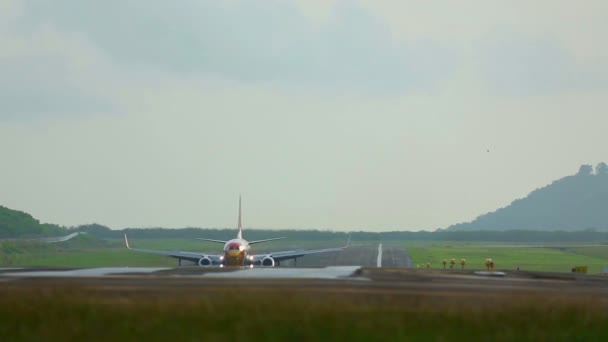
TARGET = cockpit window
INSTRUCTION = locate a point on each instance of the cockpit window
(234, 247)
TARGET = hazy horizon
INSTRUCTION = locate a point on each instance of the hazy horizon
(343, 115)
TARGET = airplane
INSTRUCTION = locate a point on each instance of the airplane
(237, 252)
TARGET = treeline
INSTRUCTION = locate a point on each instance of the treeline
(218, 234)
(14, 223)
(321, 235)
(529, 236)
(17, 224)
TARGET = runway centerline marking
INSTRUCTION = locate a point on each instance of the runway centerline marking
(379, 261)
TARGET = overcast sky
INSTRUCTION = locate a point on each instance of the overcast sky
(345, 115)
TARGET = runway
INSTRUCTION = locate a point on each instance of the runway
(379, 266)
(369, 255)
(355, 268)
(335, 265)
(363, 280)
(83, 272)
(330, 272)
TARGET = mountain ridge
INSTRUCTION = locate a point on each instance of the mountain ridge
(571, 203)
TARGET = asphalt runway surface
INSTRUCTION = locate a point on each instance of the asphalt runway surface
(369, 281)
(359, 255)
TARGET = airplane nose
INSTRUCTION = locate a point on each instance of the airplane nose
(233, 258)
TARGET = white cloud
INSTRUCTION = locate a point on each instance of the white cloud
(185, 151)
(519, 66)
(242, 41)
(576, 27)
(47, 73)
(318, 11)
(163, 117)
(10, 10)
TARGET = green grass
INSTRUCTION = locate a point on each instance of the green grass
(94, 258)
(600, 252)
(532, 259)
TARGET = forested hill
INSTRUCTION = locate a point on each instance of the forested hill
(14, 223)
(578, 202)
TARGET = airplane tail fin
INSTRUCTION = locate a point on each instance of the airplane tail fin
(239, 235)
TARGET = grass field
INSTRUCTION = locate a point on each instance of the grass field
(534, 259)
(113, 253)
(257, 314)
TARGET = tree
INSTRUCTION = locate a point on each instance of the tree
(585, 170)
(601, 169)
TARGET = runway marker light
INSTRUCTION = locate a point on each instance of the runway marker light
(490, 264)
(444, 262)
(579, 269)
(452, 263)
(462, 263)
(428, 265)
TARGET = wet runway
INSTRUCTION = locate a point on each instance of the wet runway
(331, 272)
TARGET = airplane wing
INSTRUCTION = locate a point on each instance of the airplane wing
(211, 240)
(59, 239)
(48, 239)
(203, 259)
(265, 240)
(286, 255)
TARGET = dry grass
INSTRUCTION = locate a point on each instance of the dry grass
(258, 313)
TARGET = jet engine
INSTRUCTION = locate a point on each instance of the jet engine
(268, 262)
(205, 261)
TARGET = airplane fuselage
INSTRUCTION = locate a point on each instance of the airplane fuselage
(236, 253)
